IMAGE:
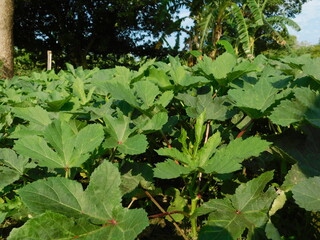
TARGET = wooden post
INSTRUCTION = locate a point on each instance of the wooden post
(49, 60)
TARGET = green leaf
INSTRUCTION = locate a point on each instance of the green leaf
(306, 194)
(306, 106)
(135, 174)
(288, 112)
(220, 68)
(165, 98)
(47, 226)
(80, 91)
(159, 77)
(53, 226)
(170, 169)
(312, 68)
(246, 209)
(258, 97)
(7, 176)
(92, 213)
(37, 148)
(228, 159)
(209, 148)
(293, 177)
(2, 216)
(199, 130)
(272, 232)
(134, 145)
(120, 91)
(175, 154)
(146, 92)
(35, 115)
(146, 124)
(89, 138)
(57, 104)
(227, 45)
(119, 128)
(10, 159)
(181, 76)
(12, 166)
(69, 149)
(216, 108)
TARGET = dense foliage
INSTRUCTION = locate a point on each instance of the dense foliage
(223, 150)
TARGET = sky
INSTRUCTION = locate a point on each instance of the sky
(309, 22)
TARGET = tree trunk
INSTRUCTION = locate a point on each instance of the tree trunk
(6, 39)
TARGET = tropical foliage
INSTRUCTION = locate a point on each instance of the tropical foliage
(226, 149)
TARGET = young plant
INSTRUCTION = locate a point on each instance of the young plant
(199, 161)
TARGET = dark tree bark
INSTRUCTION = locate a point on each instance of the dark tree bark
(6, 39)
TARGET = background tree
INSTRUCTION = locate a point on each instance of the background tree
(74, 30)
(6, 40)
(256, 25)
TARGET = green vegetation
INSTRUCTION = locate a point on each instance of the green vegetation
(227, 149)
(127, 142)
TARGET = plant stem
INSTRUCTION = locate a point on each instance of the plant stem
(163, 211)
(207, 132)
(168, 213)
(194, 202)
(245, 128)
(67, 173)
(194, 232)
(113, 154)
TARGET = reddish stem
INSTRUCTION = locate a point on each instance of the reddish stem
(244, 129)
(167, 213)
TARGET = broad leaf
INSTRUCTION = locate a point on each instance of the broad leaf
(181, 76)
(159, 77)
(120, 91)
(170, 169)
(155, 123)
(305, 106)
(122, 135)
(219, 68)
(135, 174)
(293, 177)
(312, 68)
(134, 145)
(272, 232)
(35, 115)
(69, 149)
(146, 92)
(175, 154)
(216, 108)
(11, 166)
(246, 209)
(228, 159)
(119, 128)
(92, 213)
(254, 99)
(209, 148)
(307, 195)
(288, 112)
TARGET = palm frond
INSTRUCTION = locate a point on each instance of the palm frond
(242, 29)
(256, 12)
(277, 36)
(283, 20)
(205, 26)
